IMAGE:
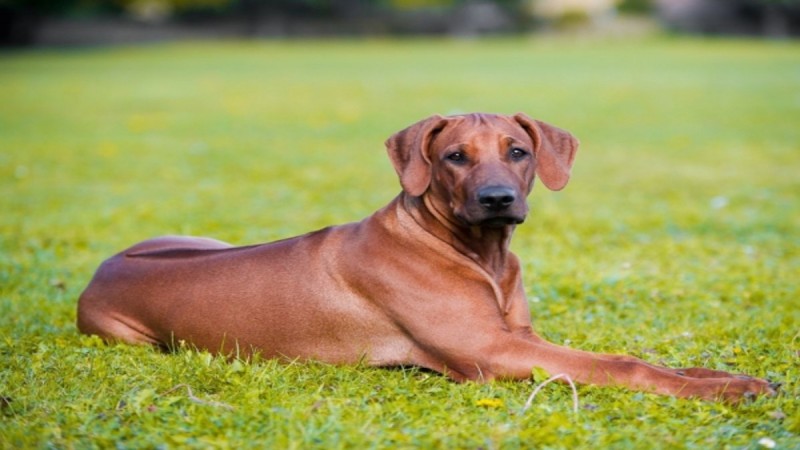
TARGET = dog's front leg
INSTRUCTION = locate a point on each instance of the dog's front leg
(512, 357)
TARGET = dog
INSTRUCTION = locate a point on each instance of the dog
(428, 280)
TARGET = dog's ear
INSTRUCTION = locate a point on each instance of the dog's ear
(408, 150)
(554, 148)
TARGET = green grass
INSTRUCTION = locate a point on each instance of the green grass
(677, 239)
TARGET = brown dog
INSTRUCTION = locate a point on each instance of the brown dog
(428, 280)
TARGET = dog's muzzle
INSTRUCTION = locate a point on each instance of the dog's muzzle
(498, 207)
(496, 198)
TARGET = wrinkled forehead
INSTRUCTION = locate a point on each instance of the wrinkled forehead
(480, 129)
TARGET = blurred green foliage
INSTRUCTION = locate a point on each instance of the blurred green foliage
(69, 6)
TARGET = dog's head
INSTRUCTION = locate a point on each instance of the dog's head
(480, 167)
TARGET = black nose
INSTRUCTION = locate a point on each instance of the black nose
(496, 198)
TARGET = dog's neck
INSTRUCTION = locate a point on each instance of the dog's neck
(487, 246)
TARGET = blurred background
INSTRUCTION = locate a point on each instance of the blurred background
(87, 22)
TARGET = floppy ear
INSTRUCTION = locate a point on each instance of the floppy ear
(408, 150)
(554, 148)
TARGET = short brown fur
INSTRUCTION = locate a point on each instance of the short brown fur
(428, 280)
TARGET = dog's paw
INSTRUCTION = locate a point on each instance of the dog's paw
(744, 388)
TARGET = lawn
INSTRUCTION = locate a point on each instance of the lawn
(677, 239)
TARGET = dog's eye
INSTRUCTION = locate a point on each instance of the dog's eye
(456, 157)
(517, 153)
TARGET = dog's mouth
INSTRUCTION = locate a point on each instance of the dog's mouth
(492, 222)
(476, 215)
(499, 222)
